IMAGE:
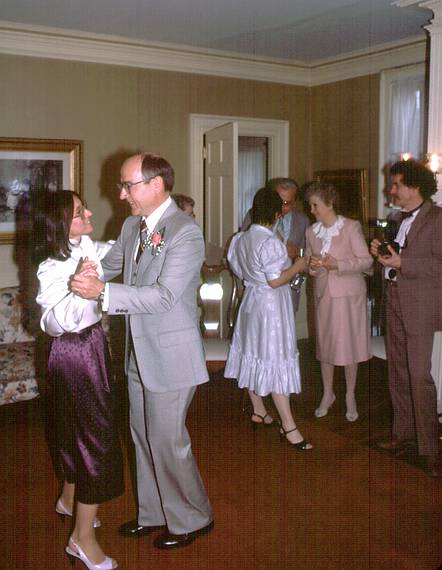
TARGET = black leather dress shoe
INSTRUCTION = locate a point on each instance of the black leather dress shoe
(134, 530)
(167, 540)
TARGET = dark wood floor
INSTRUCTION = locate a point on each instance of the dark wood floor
(342, 506)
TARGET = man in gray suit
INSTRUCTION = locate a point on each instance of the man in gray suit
(160, 251)
(291, 226)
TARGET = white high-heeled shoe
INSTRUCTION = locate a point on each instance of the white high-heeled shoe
(351, 417)
(321, 412)
(61, 509)
(77, 552)
(351, 403)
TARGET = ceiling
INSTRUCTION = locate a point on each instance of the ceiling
(295, 30)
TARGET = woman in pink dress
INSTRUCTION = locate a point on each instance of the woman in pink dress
(338, 258)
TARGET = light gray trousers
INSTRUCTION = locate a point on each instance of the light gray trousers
(169, 486)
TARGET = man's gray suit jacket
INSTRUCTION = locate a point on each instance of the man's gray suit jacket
(159, 301)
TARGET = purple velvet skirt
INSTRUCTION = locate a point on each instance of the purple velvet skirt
(87, 442)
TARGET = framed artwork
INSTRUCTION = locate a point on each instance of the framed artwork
(29, 165)
(352, 187)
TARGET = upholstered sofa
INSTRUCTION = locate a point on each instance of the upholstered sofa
(17, 350)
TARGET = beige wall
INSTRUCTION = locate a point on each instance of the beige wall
(117, 110)
(345, 128)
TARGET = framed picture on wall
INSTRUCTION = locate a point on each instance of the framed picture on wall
(352, 187)
(30, 165)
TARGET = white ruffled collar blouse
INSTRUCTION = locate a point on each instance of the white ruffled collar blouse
(327, 233)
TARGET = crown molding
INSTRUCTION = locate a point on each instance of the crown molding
(72, 45)
(54, 43)
(430, 4)
(367, 62)
(405, 3)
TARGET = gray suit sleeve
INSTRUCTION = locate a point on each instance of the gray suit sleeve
(300, 223)
(183, 259)
(112, 262)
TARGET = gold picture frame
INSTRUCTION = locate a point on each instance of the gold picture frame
(352, 187)
(27, 165)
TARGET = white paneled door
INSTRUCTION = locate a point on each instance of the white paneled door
(221, 189)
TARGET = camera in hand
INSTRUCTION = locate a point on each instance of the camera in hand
(387, 230)
(383, 248)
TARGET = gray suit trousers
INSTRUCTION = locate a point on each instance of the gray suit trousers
(169, 485)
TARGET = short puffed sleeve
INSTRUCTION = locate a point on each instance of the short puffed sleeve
(232, 257)
(273, 258)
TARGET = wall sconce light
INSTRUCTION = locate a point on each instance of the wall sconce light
(434, 162)
(405, 155)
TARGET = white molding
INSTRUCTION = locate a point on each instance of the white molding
(405, 3)
(56, 43)
(384, 90)
(276, 131)
(358, 65)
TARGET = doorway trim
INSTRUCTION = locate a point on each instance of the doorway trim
(277, 133)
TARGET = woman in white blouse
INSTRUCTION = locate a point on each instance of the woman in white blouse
(79, 374)
(263, 356)
(338, 257)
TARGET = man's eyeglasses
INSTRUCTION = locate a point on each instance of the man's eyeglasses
(80, 212)
(127, 186)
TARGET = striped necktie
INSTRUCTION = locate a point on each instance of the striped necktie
(143, 236)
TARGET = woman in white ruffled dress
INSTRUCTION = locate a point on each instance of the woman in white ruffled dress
(263, 355)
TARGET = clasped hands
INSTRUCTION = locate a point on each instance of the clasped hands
(85, 282)
(327, 262)
(393, 260)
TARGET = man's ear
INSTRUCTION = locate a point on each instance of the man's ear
(416, 190)
(157, 184)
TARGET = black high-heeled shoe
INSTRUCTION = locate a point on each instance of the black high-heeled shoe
(262, 423)
(300, 446)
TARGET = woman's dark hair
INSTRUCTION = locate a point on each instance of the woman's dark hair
(52, 213)
(266, 204)
(326, 192)
(416, 175)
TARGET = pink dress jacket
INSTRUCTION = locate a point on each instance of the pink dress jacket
(350, 250)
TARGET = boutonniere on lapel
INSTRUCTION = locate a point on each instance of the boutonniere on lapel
(155, 242)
